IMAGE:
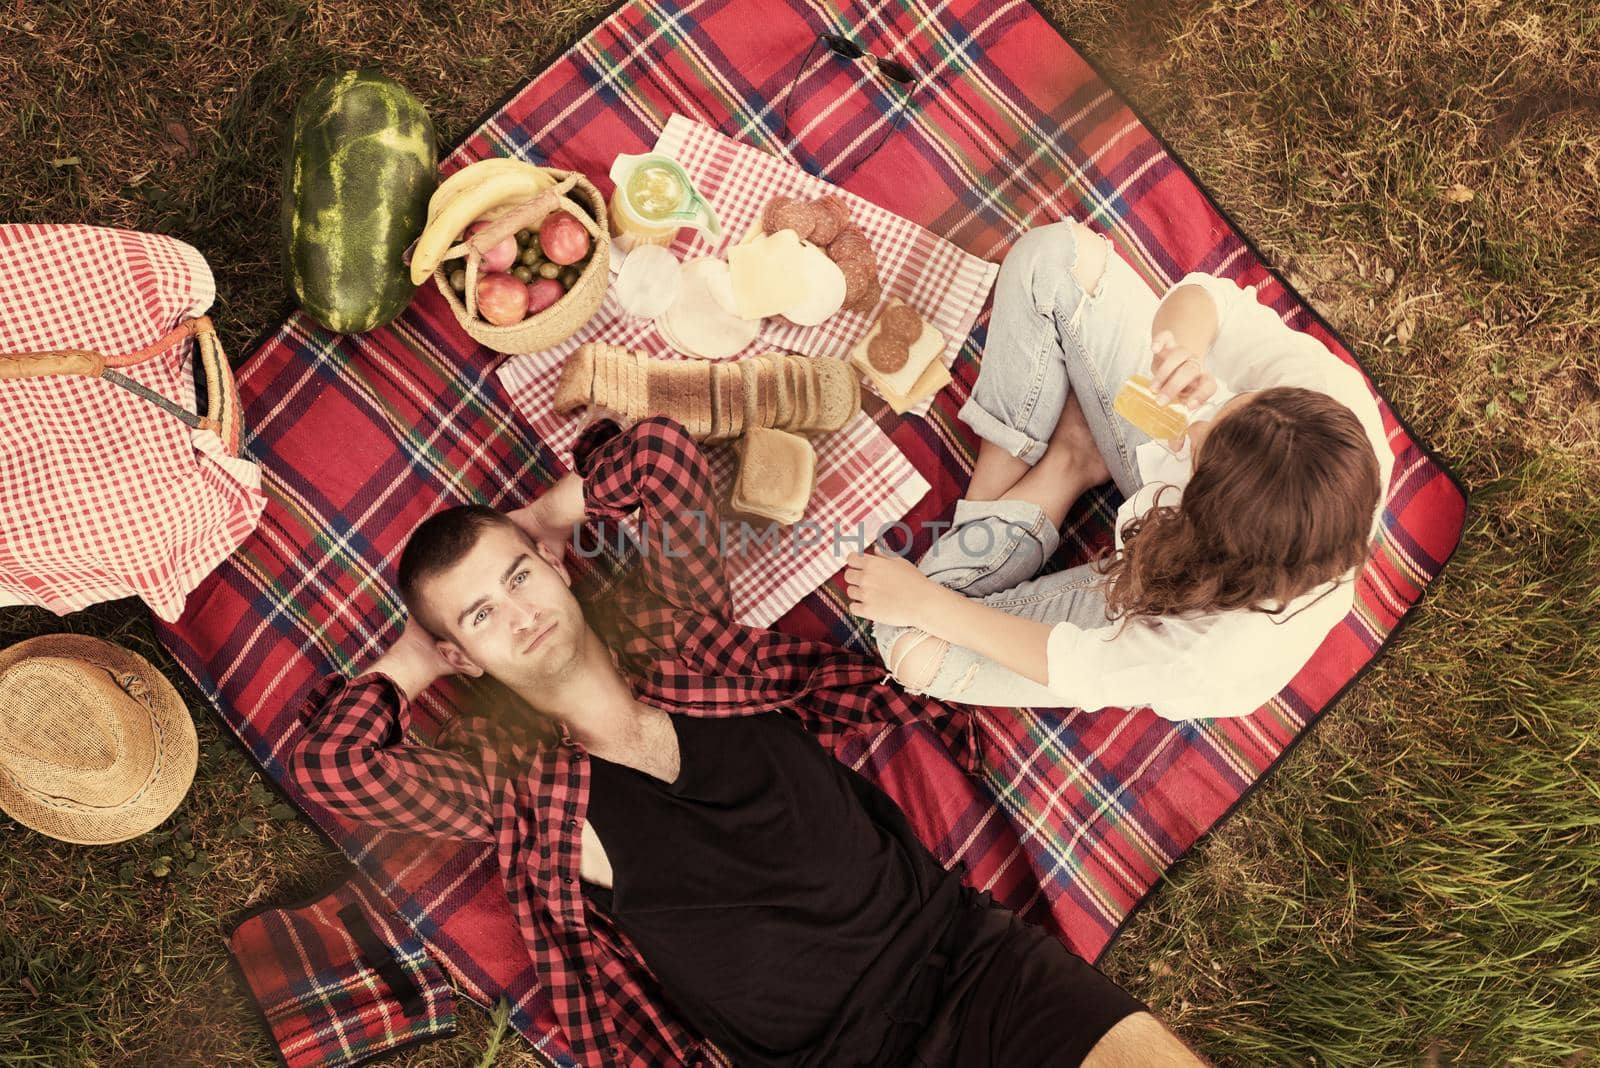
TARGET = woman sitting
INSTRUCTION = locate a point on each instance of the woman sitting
(1237, 547)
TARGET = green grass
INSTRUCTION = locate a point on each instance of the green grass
(1420, 882)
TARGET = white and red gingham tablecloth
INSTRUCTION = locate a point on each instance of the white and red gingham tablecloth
(864, 483)
(102, 494)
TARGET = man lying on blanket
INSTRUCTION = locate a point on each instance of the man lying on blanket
(686, 859)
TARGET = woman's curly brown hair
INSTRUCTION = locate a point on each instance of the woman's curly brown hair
(1281, 501)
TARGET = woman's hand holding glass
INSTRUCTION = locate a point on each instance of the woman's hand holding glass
(1179, 374)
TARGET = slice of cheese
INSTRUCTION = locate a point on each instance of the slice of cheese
(819, 288)
(931, 381)
(766, 273)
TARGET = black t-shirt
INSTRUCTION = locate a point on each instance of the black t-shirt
(781, 898)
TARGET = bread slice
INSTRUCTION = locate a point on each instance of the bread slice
(700, 402)
(784, 393)
(617, 379)
(840, 394)
(727, 402)
(617, 385)
(795, 373)
(719, 420)
(771, 378)
(681, 390)
(777, 473)
(789, 393)
(604, 386)
(597, 354)
(638, 404)
(665, 389)
(758, 399)
(627, 394)
(810, 396)
(575, 387)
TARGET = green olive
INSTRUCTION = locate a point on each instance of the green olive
(530, 256)
(549, 270)
(569, 277)
(458, 280)
(522, 273)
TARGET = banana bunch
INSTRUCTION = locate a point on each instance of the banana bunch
(486, 189)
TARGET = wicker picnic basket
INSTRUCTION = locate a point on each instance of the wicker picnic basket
(576, 195)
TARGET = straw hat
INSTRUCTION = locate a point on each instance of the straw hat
(96, 746)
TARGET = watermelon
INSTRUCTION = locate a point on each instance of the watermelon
(360, 163)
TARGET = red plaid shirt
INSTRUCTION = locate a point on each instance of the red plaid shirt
(670, 620)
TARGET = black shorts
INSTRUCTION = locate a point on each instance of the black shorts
(1006, 993)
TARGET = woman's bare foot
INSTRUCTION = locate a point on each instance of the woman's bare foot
(1076, 444)
(1070, 465)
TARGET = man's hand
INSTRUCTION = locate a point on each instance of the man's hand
(549, 519)
(889, 589)
(414, 660)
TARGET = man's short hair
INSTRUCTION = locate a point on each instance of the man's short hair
(439, 543)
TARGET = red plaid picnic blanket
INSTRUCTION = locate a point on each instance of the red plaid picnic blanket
(1078, 815)
(339, 980)
(104, 495)
(864, 483)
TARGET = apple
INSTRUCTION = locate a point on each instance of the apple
(502, 255)
(563, 238)
(502, 300)
(543, 292)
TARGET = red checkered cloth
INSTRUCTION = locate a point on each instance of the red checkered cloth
(105, 495)
(864, 483)
(338, 980)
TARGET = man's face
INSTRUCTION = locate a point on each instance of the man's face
(508, 610)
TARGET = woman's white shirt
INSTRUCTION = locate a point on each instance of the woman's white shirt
(1218, 664)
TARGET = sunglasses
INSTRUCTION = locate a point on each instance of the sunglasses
(844, 48)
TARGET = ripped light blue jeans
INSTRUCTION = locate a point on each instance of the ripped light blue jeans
(1048, 337)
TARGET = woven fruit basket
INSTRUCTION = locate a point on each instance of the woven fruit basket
(577, 196)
